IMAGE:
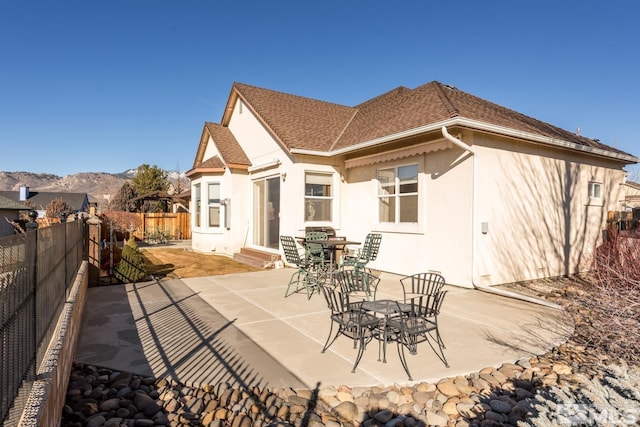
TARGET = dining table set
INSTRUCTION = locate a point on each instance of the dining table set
(349, 286)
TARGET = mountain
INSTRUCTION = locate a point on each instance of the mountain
(101, 185)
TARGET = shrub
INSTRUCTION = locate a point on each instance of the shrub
(611, 298)
(132, 267)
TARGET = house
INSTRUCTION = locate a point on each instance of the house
(9, 213)
(453, 182)
(631, 193)
(39, 200)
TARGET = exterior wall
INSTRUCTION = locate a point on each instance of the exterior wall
(534, 201)
(237, 186)
(441, 240)
(228, 238)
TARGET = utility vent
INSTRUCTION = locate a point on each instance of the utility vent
(24, 193)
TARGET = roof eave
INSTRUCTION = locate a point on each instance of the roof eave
(199, 171)
(475, 124)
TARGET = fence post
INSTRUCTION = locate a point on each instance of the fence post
(31, 258)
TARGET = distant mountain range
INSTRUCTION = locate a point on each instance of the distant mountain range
(100, 185)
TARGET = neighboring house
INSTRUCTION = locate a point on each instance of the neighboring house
(39, 200)
(631, 193)
(453, 182)
(9, 212)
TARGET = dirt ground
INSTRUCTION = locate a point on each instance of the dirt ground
(176, 263)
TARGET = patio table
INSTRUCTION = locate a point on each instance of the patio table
(387, 308)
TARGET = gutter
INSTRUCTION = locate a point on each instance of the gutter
(484, 288)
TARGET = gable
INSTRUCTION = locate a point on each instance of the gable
(296, 121)
(226, 151)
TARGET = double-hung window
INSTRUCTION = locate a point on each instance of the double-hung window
(398, 194)
(318, 196)
(214, 204)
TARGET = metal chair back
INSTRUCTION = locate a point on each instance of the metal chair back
(291, 253)
(427, 283)
(371, 246)
(314, 251)
(353, 281)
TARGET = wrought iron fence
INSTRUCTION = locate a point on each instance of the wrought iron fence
(37, 270)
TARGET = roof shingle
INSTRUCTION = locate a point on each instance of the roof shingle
(304, 123)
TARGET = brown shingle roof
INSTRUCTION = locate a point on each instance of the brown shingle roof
(227, 145)
(304, 123)
(296, 121)
(211, 163)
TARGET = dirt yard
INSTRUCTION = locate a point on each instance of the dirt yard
(175, 263)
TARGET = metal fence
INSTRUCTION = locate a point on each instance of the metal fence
(37, 270)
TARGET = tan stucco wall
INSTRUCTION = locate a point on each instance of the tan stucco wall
(541, 222)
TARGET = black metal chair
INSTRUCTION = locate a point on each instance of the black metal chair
(350, 319)
(417, 325)
(368, 252)
(421, 284)
(306, 276)
(357, 283)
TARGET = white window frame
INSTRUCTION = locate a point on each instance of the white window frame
(595, 190)
(594, 193)
(396, 195)
(214, 203)
(326, 178)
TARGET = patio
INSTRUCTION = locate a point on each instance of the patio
(479, 330)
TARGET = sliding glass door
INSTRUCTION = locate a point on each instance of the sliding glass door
(266, 212)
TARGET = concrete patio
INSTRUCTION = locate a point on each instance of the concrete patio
(239, 328)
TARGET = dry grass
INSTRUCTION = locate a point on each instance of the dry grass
(183, 263)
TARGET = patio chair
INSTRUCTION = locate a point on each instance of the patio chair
(357, 283)
(417, 325)
(368, 252)
(305, 277)
(315, 252)
(350, 319)
(421, 284)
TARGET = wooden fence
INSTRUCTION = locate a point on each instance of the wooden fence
(172, 226)
(623, 221)
(149, 227)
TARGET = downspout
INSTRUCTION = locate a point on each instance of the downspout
(484, 288)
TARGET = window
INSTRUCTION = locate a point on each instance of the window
(198, 202)
(214, 204)
(398, 194)
(318, 196)
(594, 190)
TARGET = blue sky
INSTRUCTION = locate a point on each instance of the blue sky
(104, 86)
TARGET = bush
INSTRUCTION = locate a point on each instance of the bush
(132, 267)
(611, 300)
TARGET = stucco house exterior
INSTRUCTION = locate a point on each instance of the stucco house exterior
(631, 192)
(453, 182)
